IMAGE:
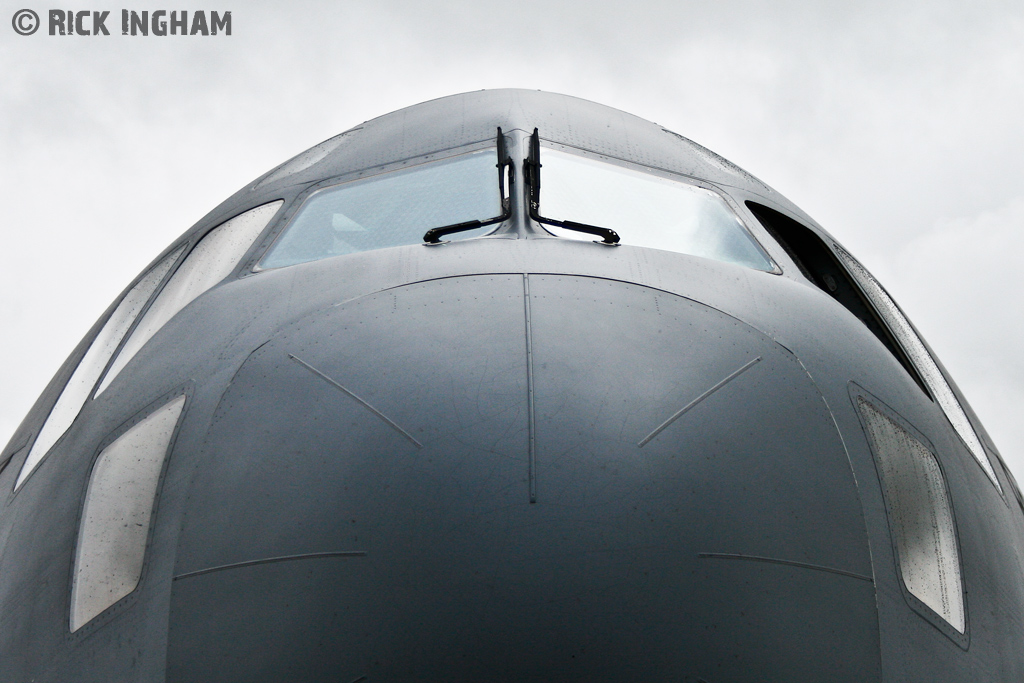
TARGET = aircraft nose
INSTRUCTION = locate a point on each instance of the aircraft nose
(522, 478)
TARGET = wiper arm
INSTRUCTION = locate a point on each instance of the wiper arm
(434, 235)
(531, 173)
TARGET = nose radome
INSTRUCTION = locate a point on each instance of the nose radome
(522, 477)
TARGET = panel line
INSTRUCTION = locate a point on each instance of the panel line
(271, 560)
(790, 563)
(660, 428)
(531, 416)
(363, 403)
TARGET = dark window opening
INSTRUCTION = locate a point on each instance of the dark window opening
(819, 265)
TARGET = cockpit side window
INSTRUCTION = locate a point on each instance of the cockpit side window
(818, 264)
(923, 361)
(115, 520)
(209, 262)
(841, 276)
(581, 195)
(920, 517)
(79, 387)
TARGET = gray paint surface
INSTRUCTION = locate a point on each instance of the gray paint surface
(747, 540)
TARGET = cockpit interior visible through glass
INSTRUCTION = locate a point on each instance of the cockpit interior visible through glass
(393, 209)
(642, 209)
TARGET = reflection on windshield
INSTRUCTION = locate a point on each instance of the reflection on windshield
(644, 209)
(391, 209)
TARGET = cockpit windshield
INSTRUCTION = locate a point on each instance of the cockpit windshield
(644, 210)
(393, 209)
(464, 195)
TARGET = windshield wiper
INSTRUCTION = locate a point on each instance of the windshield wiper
(531, 174)
(434, 235)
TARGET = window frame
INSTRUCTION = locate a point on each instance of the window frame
(193, 243)
(187, 391)
(958, 401)
(962, 640)
(293, 207)
(185, 248)
(733, 205)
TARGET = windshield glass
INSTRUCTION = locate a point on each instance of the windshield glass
(392, 209)
(644, 209)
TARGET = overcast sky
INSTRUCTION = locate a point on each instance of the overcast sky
(897, 125)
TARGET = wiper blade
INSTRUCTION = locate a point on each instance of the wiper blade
(607, 235)
(531, 172)
(434, 235)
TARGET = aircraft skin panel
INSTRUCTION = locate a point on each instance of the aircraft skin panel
(285, 469)
(416, 550)
(354, 623)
